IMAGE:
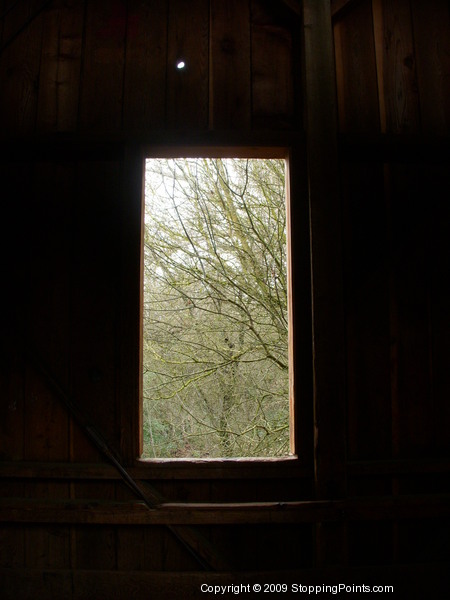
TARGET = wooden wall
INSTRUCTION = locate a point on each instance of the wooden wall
(393, 84)
(392, 61)
(82, 84)
(110, 67)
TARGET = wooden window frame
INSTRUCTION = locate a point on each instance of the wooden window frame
(299, 316)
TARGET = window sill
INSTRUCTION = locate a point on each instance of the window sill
(221, 468)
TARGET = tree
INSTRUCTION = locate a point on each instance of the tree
(215, 308)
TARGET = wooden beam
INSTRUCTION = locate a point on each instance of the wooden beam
(93, 512)
(64, 148)
(287, 467)
(326, 252)
(193, 541)
(86, 147)
(212, 470)
(326, 264)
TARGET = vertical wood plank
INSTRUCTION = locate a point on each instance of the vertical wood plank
(48, 75)
(95, 256)
(174, 554)
(413, 398)
(326, 261)
(59, 78)
(145, 65)
(12, 406)
(12, 553)
(49, 210)
(229, 91)
(47, 547)
(366, 251)
(129, 374)
(96, 233)
(14, 256)
(272, 68)
(16, 183)
(400, 81)
(432, 51)
(47, 326)
(187, 89)
(138, 548)
(4, 8)
(325, 214)
(378, 33)
(103, 65)
(46, 419)
(438, 184)
(19, 69)
(356, 69)
(46, 440)
(299, 302)
(94, 547)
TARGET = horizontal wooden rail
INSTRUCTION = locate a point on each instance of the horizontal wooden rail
(95, 512)
(56, 470)
(92, 147)
(287, 467)
(214, 469)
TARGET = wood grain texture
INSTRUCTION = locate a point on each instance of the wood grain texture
(229, 69)
(326, 264)
(93, 514)
(326, 248)
(356, 70)
(187, 89)
(95, 254)
(145, 66)
(129, 376)
(19, 69)
(431, 25)
(78, 82)
(93, 547)
(101, 94)
(400, 79)
(272, 68)
(60, 70)
(299, 299)
(47, 318)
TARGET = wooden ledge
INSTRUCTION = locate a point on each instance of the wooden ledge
(95, 512)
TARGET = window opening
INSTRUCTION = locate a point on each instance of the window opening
(215, 372)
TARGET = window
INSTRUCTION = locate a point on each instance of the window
(215, 366)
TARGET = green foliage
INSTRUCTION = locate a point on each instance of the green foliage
(215, 309)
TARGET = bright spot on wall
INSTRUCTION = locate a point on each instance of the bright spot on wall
(181, 65)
